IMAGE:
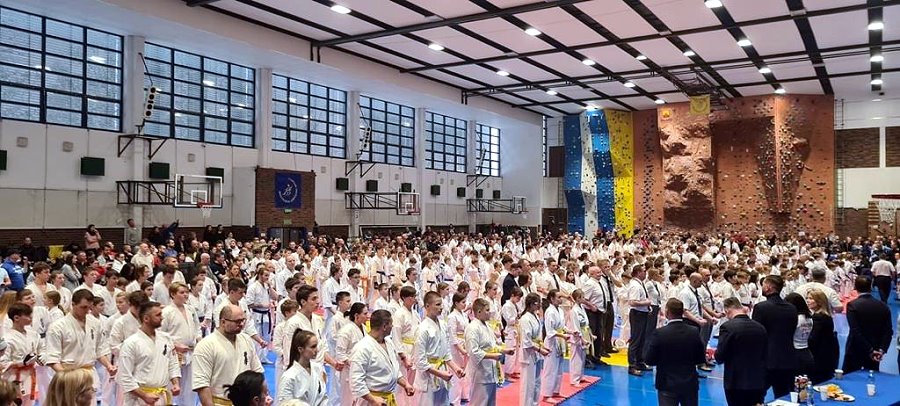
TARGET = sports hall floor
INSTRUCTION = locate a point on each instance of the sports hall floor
(617, 388)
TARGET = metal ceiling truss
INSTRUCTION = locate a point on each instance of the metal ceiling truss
(738, 34)
(875, 41)
(809, 43)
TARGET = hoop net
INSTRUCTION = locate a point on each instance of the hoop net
(887, 209)
(410, 209)
(205, 209)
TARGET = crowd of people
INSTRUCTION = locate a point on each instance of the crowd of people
(434, 318)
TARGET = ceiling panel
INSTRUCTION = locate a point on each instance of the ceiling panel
(545, 111)
(640, 103)
(743, 10)
(509, 98)
(793, 70)
(507, 34)
(742, 75)
(662, 52)
(848, 64)
(852, 29)
(891, 17)
(674, 97)
(820, 5)
(613, 58)
(655, 84)
(613, 88)
(775, 37)
(541, 96)
(572, 108)
(269, 18)
(459, 42)
(321, 14)
(415, 49)
(565, 64)
(579, 93)
(383, 56)
(385, 11)
(561, 26)
(756, 90)
(483, 75)
(855, 87)
(447, 9)
(715, 46)
(682, 14)
(524, 69)
(806, 87)
(617, 17)
(450, 78)
(510, 3)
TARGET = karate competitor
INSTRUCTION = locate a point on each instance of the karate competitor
(510, 313)
(288, 309)
(383, 302)
(161, 288)
(181, 323)
(432, 362)
(533, 351)
(306, 319)
(74, 341)
(304, 380)
(201, 305)
(20, 359)
(40, 285)
(221, 356)
(330, 288)
(375, 366)
(357, 295)
(337, 321)
(235, 297)
(148, 362)
(555, 325)
(457, 322)
(347, 338)
(404, 336)
(581, 338)
(484, 356)
(260, 300)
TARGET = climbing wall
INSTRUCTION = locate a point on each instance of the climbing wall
(573, 170)
(621, 136)
(603, 167)
(592, 127)
(648, 183)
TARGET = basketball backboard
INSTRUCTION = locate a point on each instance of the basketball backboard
(194, 190)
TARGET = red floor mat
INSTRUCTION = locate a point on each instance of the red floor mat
(509, 394)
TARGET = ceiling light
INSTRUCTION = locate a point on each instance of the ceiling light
(780, 90)
(689, 53)
(712, 3)
(877, 118)
(876, 82)
(337, 8)
(876, 100)
(659, 101)
(876, 58)
(552, 92)
(435, 47)
(590, 107)
(744, 42)
(765, 70)
(876, 26)
(629, 84)
(502, 73)
(589, 62)
(532, 31)
(209, 82)
(640, 57)
(98, 59)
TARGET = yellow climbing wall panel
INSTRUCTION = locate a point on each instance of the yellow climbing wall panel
(621, 140)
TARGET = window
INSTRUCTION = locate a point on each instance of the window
(308, 118)
(59, 73)
(445, 143)
(544, 145)
(487, 150)
(393, 139)
(200, 98)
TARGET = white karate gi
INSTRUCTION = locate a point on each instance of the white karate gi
(456, 328)
(299, 321)
(346, 340)
(480, 340)
(404, 335)
(217, 361)
(149, 363)
(334, 390)
(373, 368)
(581, 333)
(551, 379)
(184, 328)
(432, 349)
(510, 314)
(532, 360)
(306, 386)
(76, 346)
(21, 345)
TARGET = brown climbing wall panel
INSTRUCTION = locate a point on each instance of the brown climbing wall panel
(688, 168)
(648, 183)
(892, 146)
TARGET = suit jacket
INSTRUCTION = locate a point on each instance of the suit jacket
(871, 326)
(780, 320)
(676, 349)
(742, 348)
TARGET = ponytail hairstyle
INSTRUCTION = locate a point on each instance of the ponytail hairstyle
(531, 299)
(300, 339)
(355, 310)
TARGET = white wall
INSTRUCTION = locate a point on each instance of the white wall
(42, 187)
(550, 196)
(861, 183)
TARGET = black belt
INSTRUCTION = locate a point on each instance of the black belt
(257, 311)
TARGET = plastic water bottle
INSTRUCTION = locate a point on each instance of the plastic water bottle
(870, 384)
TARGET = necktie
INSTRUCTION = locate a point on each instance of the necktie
(697, 295)
(646, 294)
(556, 281)
(608, 289)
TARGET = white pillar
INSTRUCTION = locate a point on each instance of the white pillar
(132, 113)
(263, 112)
(471, 162)
(419, 134)
(353, 145)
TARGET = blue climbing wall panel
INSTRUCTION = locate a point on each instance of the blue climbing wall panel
(573, 173)
(606, 215)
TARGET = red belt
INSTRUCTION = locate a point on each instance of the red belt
(34, 391)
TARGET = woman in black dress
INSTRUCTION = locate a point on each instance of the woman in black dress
(823, 340)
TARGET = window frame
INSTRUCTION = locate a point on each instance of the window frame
(82, 44)
(331, 151)
(431, 141)
(367, 116)
(480, 143)
(202, 115)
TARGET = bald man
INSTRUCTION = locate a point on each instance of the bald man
(221, 356)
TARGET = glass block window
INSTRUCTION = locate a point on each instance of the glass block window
(59, 73)
(393, 137)
(544, 145)
(308, 118)
(487, 150)
(200, 99)
(445, 143)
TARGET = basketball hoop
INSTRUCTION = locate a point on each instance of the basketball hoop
(887, 207)
(205, 209)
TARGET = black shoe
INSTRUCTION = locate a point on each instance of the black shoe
(701, 376)
(589, 365)
(635, 372)
(646, 367)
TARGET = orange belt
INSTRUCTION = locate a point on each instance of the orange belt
(33, 392)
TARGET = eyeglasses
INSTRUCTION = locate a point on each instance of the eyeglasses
(237, 321)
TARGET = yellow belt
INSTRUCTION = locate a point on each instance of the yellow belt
(562, 346)
(461, 335)
(221, 401)
(157, 390)
(388, 396)
(408, 340)
(438, 363)
(498, 371)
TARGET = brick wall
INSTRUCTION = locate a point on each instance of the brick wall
(857, 148)
(852, 222)
(268, 216)
(892, 145)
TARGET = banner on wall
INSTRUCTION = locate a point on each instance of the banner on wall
(700, 105)
(287, 190)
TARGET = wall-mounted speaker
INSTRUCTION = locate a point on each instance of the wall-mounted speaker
(435, 190)
(479, 193)
(406, 187)
(342, 184)
(158, 170)
(371, 185)
(91, 166)
(460, 192)
(496, 194)
(2, 159)
(213, 171)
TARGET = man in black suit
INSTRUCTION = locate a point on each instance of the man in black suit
(780, 321)
(675, 350)
(510, 281)
(871, 329)
(742, 348)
